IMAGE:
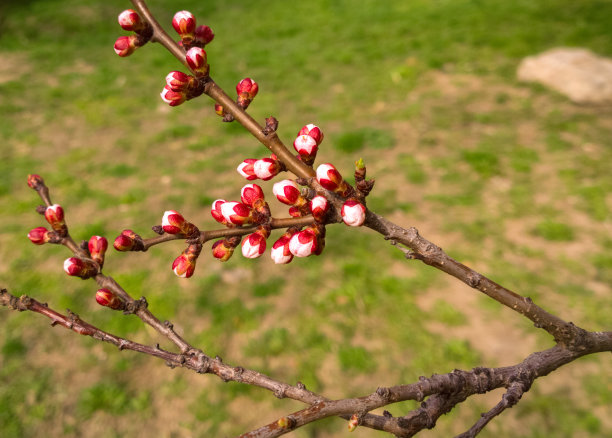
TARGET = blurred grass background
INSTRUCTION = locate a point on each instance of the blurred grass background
(510, 178)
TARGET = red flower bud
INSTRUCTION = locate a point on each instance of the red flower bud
(306, 146)
(173, 98)
(329, 177)
(197, 61)
(318, 207)
(312, 131)
(353, 213)
(184, 265)
(179, 81)
(266, 168)
(280, 251)
(219, 109)
(55, 216)
(130, 20)
(80, 267)
(216, 211)
(204, 35)
(251, 194)
(106, 298)
(304, 243)
(34, 181)
(247, 169)
(126, 241)
(295, 212)
(39, 235)
(125, 45)
(222, 250)
(288, 192)
(247, 88)
(172, 222)
(236, 213)
(253, 245)
(185, 24)
(97, 248)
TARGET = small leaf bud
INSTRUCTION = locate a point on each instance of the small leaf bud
(35, 181)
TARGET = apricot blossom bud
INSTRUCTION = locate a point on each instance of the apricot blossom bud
(288, 192)
(39, 235)
(77, 267)
(251, 194)
(204, 35)
(127, 241)
(280, 252)
(106, 298)
(254, 245)
(306, 146)
(219, 109)
(247, 168)
(266, 168)
(353, 213)
(35, 181)
(247, 90)
(216, 211)
(130, 20)
(313, 131)
(125, 45)
(179, 81)
(295, 212)
(329, 177)
(97, 248)
(318, 208)
(196, 59)
(185, 24)
(222, 250)
(184, 265)
(236, 213)
(173, 98)
(304, 243)
(172, 222)
(54, 214)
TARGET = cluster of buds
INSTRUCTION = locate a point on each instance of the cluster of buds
(106, 298)
(307, 143)
(128, 240)
(184, 23)
(263, 168)
(130, 20)
(180, 87)
(353, 211)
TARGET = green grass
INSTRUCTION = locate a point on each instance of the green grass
(510, 178)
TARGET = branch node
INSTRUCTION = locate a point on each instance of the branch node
(383, 393)
(300, 385)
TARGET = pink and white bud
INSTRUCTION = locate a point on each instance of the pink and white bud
(303, 243)
(185, 24)
(236, 213)
(204, 34)
(353, 213)
(130, 20)
(106, 298)
(253, 246)
(197, 60)
(306, 146)
(39, 235)
(97, 248)
(35, 181)
(222, 250)
(183, 266)
(54, 214)
(125, 45)
(280, 252)
(329, 177)
(251, 194)
(318, 208)
(287, 192)
(216, 211)
(173, 98)
(178, 81)
(266, 168)
(173, 222)
(77, 267)
(247, 89)
(312, 131)
(247, 169)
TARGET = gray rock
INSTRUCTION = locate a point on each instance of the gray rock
(579, 74)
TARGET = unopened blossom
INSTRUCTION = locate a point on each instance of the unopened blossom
(39, 235)
(251, 194)
(253, 245)
(184, 24)
(318, 208)
(312, 131)
(353, 213)
(179, 81)
(216, 211)
(305, 146)
(184, 265)
(97, 246)
(78, 267)
(125, 45)
(304, 243)
(35, 181)
(246, 168)
(106, 298)
(203, 35)
(222, 250)
(280, 252)
(329, 177)
(128, 240)
(130, 20)
(288, 192)
(236, 213)
(266, 168)
(54, 214)
(197, 60)
(247, 90)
